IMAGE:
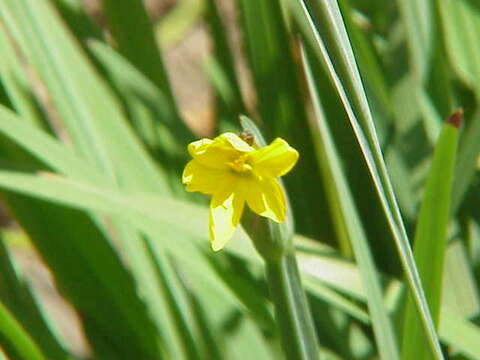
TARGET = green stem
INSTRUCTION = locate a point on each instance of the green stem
(15, 340)
(273, 241)
(291, 308)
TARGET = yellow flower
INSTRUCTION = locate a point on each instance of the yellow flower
(234, 173)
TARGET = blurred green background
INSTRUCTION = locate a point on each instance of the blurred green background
(103, 255)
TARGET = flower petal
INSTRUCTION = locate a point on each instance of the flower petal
(217, 153)
(265, 197)
(236, 142)
(224, 216)
(204, 179)
(274, 160)
(213, 153)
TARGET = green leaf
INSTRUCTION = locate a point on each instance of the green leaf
(17, 297)
(89, 111)
(14, 340)
(15, 82)
(460, 288)
(147, 106)
(431, 237)
(102, 291)
(337, 56)
(342, 276)
(460, 22)
(221, 69)
(417, 20)
(138, 46)
(174, 24)
(47, 149)
(208, 337)
(173, 301)
(460, 334)
(348, 223)
(281, 108)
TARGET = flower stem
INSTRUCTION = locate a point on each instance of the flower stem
(292, 313)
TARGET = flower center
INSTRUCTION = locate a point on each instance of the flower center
(240, 164)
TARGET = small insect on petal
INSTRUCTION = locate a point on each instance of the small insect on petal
(248, 137)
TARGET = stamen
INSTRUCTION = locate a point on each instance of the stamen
(240, 165)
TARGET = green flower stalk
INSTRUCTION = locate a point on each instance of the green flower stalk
(236, 172)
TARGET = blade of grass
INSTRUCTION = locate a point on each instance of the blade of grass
(75, 269)
(417, 21)
(454, 331)
(206, 333)
(372, 71)
(348, 222)
(461, 334)
(103, 293)
(79, 22)
(184, 15)
(47, 149)
(14, 340)
(148, 110)
(430, 237)
(460, 288)
(296, 328)
(130, 82)
(356, 105)
(247, 293)
(15, 82)
(138, 46)
(60, 158)
(173, 301)
(335, 299)
(222, 64)
(189, 220)
(19, 300)
(460, 23)
(89, 112)
(282, 110)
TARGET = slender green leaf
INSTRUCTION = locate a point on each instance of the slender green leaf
(222, 68)
(173, 26)
(90, 113)
(14, 340)
(460, 22)
(138, 46)
(431, 237)
(149, 112)
(417, 21)
(356, 105)
(19, 300)
(349, 224)
(460, 334)
(281, 108)
(460, 289)
(15, 82)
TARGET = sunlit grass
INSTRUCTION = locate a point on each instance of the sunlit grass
(93, 145)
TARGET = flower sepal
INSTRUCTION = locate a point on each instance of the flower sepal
(272, 240)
